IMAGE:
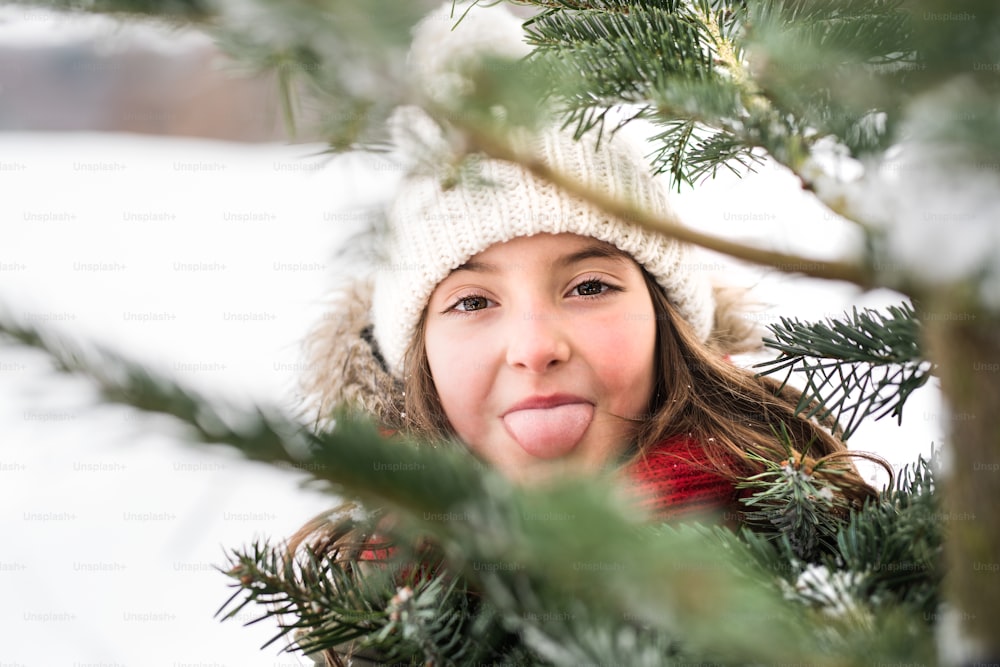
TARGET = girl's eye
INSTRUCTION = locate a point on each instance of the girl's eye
(592, 288)
(471, 303)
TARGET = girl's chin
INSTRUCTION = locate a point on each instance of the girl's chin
(528, 469)
(538, 471)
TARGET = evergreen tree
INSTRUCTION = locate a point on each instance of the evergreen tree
(902, 94)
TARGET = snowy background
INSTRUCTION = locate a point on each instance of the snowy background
(210, 260)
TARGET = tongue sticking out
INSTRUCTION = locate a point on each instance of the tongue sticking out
(549, 433)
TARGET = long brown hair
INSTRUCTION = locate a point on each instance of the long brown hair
(734, 413)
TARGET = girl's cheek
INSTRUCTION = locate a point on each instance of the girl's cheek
(460, 377)
(621, 349)
(619, 344)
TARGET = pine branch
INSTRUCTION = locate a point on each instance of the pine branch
(659, 57)
(880, 589)
(898, 544)
(321, 603)
(890, 552)
(720, 150)
(330, 603)
(833, 63)
(876, 585)
(775, 76)
(613, 49)
(420, 620)
(867, 365)
(794, 505)
(574, 634)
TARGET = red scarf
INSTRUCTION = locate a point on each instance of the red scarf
(676, 480)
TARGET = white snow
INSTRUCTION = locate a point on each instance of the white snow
(828, 590)
(111, 522)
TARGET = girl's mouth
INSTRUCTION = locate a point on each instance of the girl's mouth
(549, 432)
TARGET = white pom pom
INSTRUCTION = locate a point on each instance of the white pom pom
(445, 41)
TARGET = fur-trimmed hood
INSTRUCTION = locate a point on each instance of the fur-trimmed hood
(346, 370)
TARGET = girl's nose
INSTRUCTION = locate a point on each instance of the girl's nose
(538, 340)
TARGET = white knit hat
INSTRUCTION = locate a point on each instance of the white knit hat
(434, 229)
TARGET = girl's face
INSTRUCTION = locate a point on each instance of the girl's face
(541, 349)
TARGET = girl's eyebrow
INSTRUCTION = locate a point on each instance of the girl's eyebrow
(592, 252)
(478, 267)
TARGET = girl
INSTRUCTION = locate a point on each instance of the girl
(553, 339)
